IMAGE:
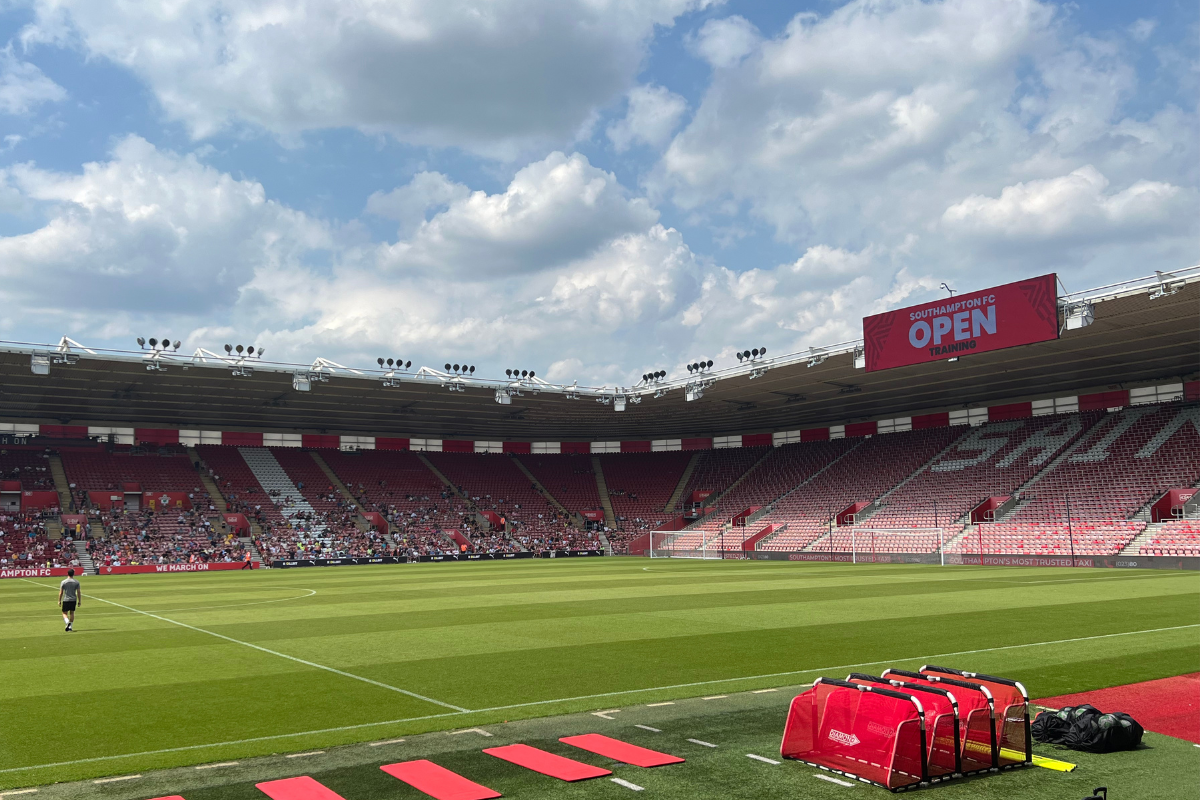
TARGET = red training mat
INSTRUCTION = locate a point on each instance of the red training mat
(1168, 706)
(620, 751)
(428, 777)
(302, 788)
(547, 763)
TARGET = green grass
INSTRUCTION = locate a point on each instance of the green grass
(510, 641)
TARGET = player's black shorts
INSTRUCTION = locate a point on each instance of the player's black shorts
(68, 605)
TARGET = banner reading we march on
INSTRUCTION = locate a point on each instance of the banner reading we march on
(976, 322)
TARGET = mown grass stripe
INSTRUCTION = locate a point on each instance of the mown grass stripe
(280, 655)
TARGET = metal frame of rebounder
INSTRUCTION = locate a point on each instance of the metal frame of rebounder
(1016, 685)
(922, 780)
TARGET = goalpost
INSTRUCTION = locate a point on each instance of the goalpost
(698, 544)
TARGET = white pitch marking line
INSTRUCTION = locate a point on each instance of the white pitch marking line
(303, 755)
(656, 705)
(381, 744)
(761, 758)
(480, 731)
(656, 730)
(701, 743)
(605, 714)
(715, 697)
(114, 780)
(273, 652)
(834, 780)
(763, 691)
(342, 728)
(214, 766)
(31, 791)
(627, 785)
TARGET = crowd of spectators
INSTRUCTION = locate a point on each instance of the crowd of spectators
(24, 542)
(166, 537)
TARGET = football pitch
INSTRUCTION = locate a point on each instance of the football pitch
(173, 671)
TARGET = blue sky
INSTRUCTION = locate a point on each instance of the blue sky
(594, 188)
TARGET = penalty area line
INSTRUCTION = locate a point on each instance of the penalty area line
(268, 651)
(362, 725)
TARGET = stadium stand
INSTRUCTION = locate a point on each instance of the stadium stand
(24, 542)
(1174, 538)
(493, 482)
(640, 484)
(1119, 466)
(773, 474)
(397, 484)
(869, 469)
(30, 467)
(568, 477)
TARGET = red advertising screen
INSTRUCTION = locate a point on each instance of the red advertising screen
(976, 322)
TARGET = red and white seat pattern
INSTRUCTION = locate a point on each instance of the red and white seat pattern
(1174, 538)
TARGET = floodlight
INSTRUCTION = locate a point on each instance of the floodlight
(239, 348)
(508, 372)
(710, 363)
(228, 348)
(532, 374)
(153, 343)
(447, 368)
(176, 345)
(472, 370)
(407, 364)
(379, 361)
(141, 342)
(250, 350)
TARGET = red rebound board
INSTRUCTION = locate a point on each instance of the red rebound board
(976, 322)
(301, 788)
(566, 769)
(620, 751)
(439, 782)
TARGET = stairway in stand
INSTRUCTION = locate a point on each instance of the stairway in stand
(214, 492)
(677, 495)
(360, 521)
(248, 543)
(61, 484)
(85, 558)
(272, 477)
(610, 518)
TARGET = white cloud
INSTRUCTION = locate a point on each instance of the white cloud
(554, 211)
(859, 128)
(725, 42)
(654, 114)
(24, 87)
(410, 204)
(1142, 29)
(145, 235)
(564, 266)
(473, 73)
(1074, 204)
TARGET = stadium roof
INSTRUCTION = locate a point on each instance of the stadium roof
(1145, 331)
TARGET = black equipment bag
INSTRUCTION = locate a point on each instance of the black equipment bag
(1106, 733)
(1051, 727)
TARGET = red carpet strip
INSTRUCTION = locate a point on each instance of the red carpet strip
(564, 769)
(620, 751)
(438, 782)
(1170, 706)
(302, 788)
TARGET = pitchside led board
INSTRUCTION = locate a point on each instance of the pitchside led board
(978, 322)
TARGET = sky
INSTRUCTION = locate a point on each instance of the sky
(590, 189)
